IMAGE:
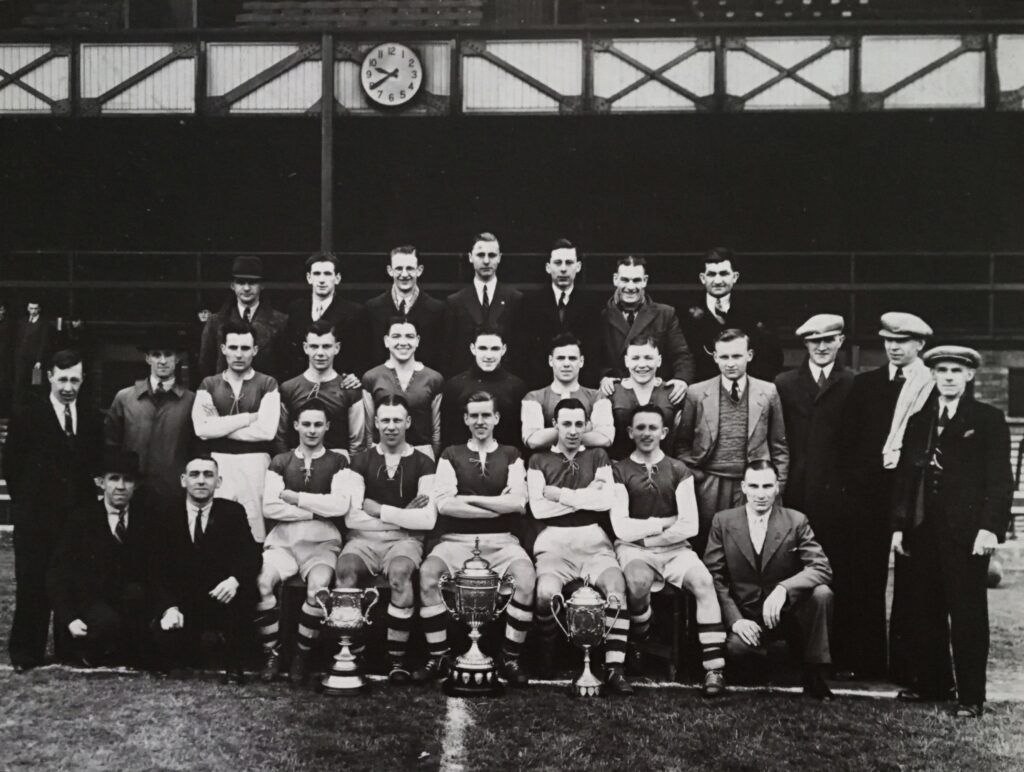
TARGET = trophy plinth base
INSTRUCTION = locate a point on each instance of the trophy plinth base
(473, 680)
(580, 689)
(336, 685)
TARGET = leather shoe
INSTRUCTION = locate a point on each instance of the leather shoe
(963, 710)
(616, 681)
(399, 673)
(714, 683)
(435, 667)
(912, 695)
(815, 685)
(512, 671)
(271, 667)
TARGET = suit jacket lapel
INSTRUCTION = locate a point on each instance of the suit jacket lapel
(832, 380)
(712, 408)
(616, 318)
(778, 526)
(741, 533)
(644, 317)
(501, 294)
(807, 383)
(959, 423)
(756, 400)
(473, 305)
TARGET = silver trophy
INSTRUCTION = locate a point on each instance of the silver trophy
(474, 593)
(345, 616)
(585, 626)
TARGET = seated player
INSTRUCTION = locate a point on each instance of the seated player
(480, 490)
(401, 374)
(566, 361)
(571, 493)
(653, 515)
(641, 387)
(304, 493)
(339, 394)
(392, 508)
(772, 579)
(99, 578)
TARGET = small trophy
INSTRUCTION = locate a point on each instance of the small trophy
(584, 618)
(345, 616)
(474, 592)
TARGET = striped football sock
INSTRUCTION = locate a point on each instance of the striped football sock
(435, 628)
(640, 624)
(712, 645)
(268, 625)
(310, 619)
(517, 625)
(399, 627)
(615, 645)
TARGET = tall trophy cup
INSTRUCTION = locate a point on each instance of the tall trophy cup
(474, 593)
(585, 627)
(345, 617)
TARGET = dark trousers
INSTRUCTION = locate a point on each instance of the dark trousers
(117, 629)
(860, 561)
(949, 604)
(33, 551)
(205, 617)
(805, 624)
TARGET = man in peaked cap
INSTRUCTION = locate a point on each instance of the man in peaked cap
(874, 420)
(813, 396)
(951, 506)
(267, 323)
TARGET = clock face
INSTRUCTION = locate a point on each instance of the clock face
(391, 74)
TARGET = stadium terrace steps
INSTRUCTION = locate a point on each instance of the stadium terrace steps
(361, 13)
(76, 15)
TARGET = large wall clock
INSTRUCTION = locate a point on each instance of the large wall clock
(392, 74)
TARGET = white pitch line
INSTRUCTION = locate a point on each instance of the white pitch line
(457, 722)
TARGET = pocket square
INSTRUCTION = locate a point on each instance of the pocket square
(968, 433)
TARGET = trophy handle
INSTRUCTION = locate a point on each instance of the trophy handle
(557, 598)
(443, 581)
(321, 596)
(376, 597)
(618, 611)
(506, 581)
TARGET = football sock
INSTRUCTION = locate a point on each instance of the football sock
(435, 628)
(712, 645)
(267, 622)
(310, 618)
(547, 626)
(640, 624)
(399, 626)
(517, 625)
(618, 632)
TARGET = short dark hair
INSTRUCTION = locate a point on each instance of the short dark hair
(640, 409)
(720, 255)
(323, 257)
(396, 319)
(483, 236)
(644, 340)
(568, 403)
(64, 359)
(565, 339)
(201, 455)
(731, 334)
(487, 329)
(311, 404)
(321, 327)
(393, 400)
(562, 244)
(233, 327)
(760, 465)
(479, 396)
(405, 249)
(632, 260)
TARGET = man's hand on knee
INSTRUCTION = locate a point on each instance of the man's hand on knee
(748, 631)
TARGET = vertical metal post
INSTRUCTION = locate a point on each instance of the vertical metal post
(327, 143)
(992, 296)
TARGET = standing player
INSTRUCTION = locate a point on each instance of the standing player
(236, 413)
(480, 491)
(565, 361)
(654, 515)
(570, 491)
(391, 509)
(305, 491)
(403, 375)
(322, 382)
(641, 387)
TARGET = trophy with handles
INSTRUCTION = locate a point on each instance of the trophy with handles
(585, 626)
(345, 616)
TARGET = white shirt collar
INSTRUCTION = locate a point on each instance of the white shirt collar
(415, 368)
(741, 382)
(816, 371)
(113, 512)
(558, 293)
(58, 409)
(168, 384)
(409, 449)
(726, 301)
(491, 284)
(247, 376)
(193, 509)
(322, 303)
(560, 390)
(318, 454)
(252, 308)
(951, 407)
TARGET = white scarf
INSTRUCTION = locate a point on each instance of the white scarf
(916, 389)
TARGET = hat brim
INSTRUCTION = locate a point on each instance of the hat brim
(900, 335)
(820, 335)
(965, 361)
(245, 276)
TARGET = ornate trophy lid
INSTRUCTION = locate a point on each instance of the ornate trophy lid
(587, 596)
(476, 566)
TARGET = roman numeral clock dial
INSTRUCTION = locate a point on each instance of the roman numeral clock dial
(392, 74)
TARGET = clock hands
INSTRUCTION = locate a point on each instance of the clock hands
(387, 76)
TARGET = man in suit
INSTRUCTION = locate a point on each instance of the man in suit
(99, 580)
(268, 324)
(349, 320)
(772, 579)
(405, 298)
(874, 420)
(628, 314)
(726, 423)
(32, 344)
(559, 308)
(951, 505)
(720, 311)
(51, 450)
(153, 419)
(205, 570)
(484, 303)
(812, 399)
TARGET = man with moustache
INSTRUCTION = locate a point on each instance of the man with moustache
(52, 449)
(406, 299)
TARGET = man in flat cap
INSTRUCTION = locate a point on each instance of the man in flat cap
(874, 420)
(267, 323)
(99, 579)
(153, 418)
(951, 506)
(813, 396)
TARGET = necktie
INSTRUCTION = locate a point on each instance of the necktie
(197, 531)
(943, 420)
(402, 310)
(318, 311)
(821, 380)
(757, 533)
(486, 301)
(899, 377)
(630, 318)
(734, 392)
(120, 530)
(247, 316)
(562, 303)
(69, 425)
(719, 311)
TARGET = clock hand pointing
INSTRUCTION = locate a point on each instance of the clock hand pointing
(387, 76)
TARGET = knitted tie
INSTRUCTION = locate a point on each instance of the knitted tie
(197, 532)
(734, 392)
(69, 425)
(247, 316)
(403, 310)
(562, 303)
(486, 303)
(121, 529)
(630, 318)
